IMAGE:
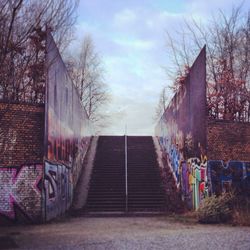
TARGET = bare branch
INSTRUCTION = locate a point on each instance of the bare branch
(228, 61)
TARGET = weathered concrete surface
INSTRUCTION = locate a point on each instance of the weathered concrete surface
(174, 202)
(158, 152)
(81, 192)
(127, 233)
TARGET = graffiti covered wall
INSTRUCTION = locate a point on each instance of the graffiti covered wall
(206, 156)
(67, 134)
(228, 152)
(59, 189)
(233, 175)
(42, 148)
(181, 132)
(21, 193)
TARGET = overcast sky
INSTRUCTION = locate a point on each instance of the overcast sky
(130, 37)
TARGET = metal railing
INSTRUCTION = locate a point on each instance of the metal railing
(126, 168)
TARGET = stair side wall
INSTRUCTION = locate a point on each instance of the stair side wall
(68, 134)
(173, 195)
(82, 188)
(42, 148)
(181, 132)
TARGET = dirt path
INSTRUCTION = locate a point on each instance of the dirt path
(126, 233)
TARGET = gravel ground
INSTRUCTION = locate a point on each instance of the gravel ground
(125, 233)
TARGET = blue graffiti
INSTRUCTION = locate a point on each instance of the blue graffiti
(224, 176)
(58, 190)
(175, 161)
(173, 154)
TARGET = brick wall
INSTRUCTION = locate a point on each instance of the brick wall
(228, 140)
(21, 134)
(21, 162)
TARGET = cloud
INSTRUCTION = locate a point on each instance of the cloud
(135, 121)
(130, 35)
(207, 7)
(135, 43)
(124, 17)
(132, 47)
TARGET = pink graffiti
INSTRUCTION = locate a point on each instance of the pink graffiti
(20, 188)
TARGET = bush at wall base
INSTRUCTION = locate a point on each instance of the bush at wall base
(216, 209)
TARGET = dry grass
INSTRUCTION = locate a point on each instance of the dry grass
(241, 213)
(232, 208)
(241, 218)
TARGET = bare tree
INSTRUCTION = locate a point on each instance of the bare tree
(88, 75)
(228, 61)
(22, 44)
(163, 103)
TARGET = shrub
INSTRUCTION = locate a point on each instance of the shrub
(216, 209)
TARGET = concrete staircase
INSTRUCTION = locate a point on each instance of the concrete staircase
(107, 185)
(145, 192)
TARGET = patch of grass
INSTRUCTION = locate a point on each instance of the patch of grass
(241, 213)
(186, 218)
(231, 207)
(241, 218)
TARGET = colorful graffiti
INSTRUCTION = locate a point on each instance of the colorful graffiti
(233, 175)
(191, 175)
(21, 190)
(194, 181)
(58, 190)
(182, 134)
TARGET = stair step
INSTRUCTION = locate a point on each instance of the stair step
(107, 203)
(106, 198)
(107, 206)
(145, 202)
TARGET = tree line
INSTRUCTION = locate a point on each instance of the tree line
(23, 25)
(227, 39)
